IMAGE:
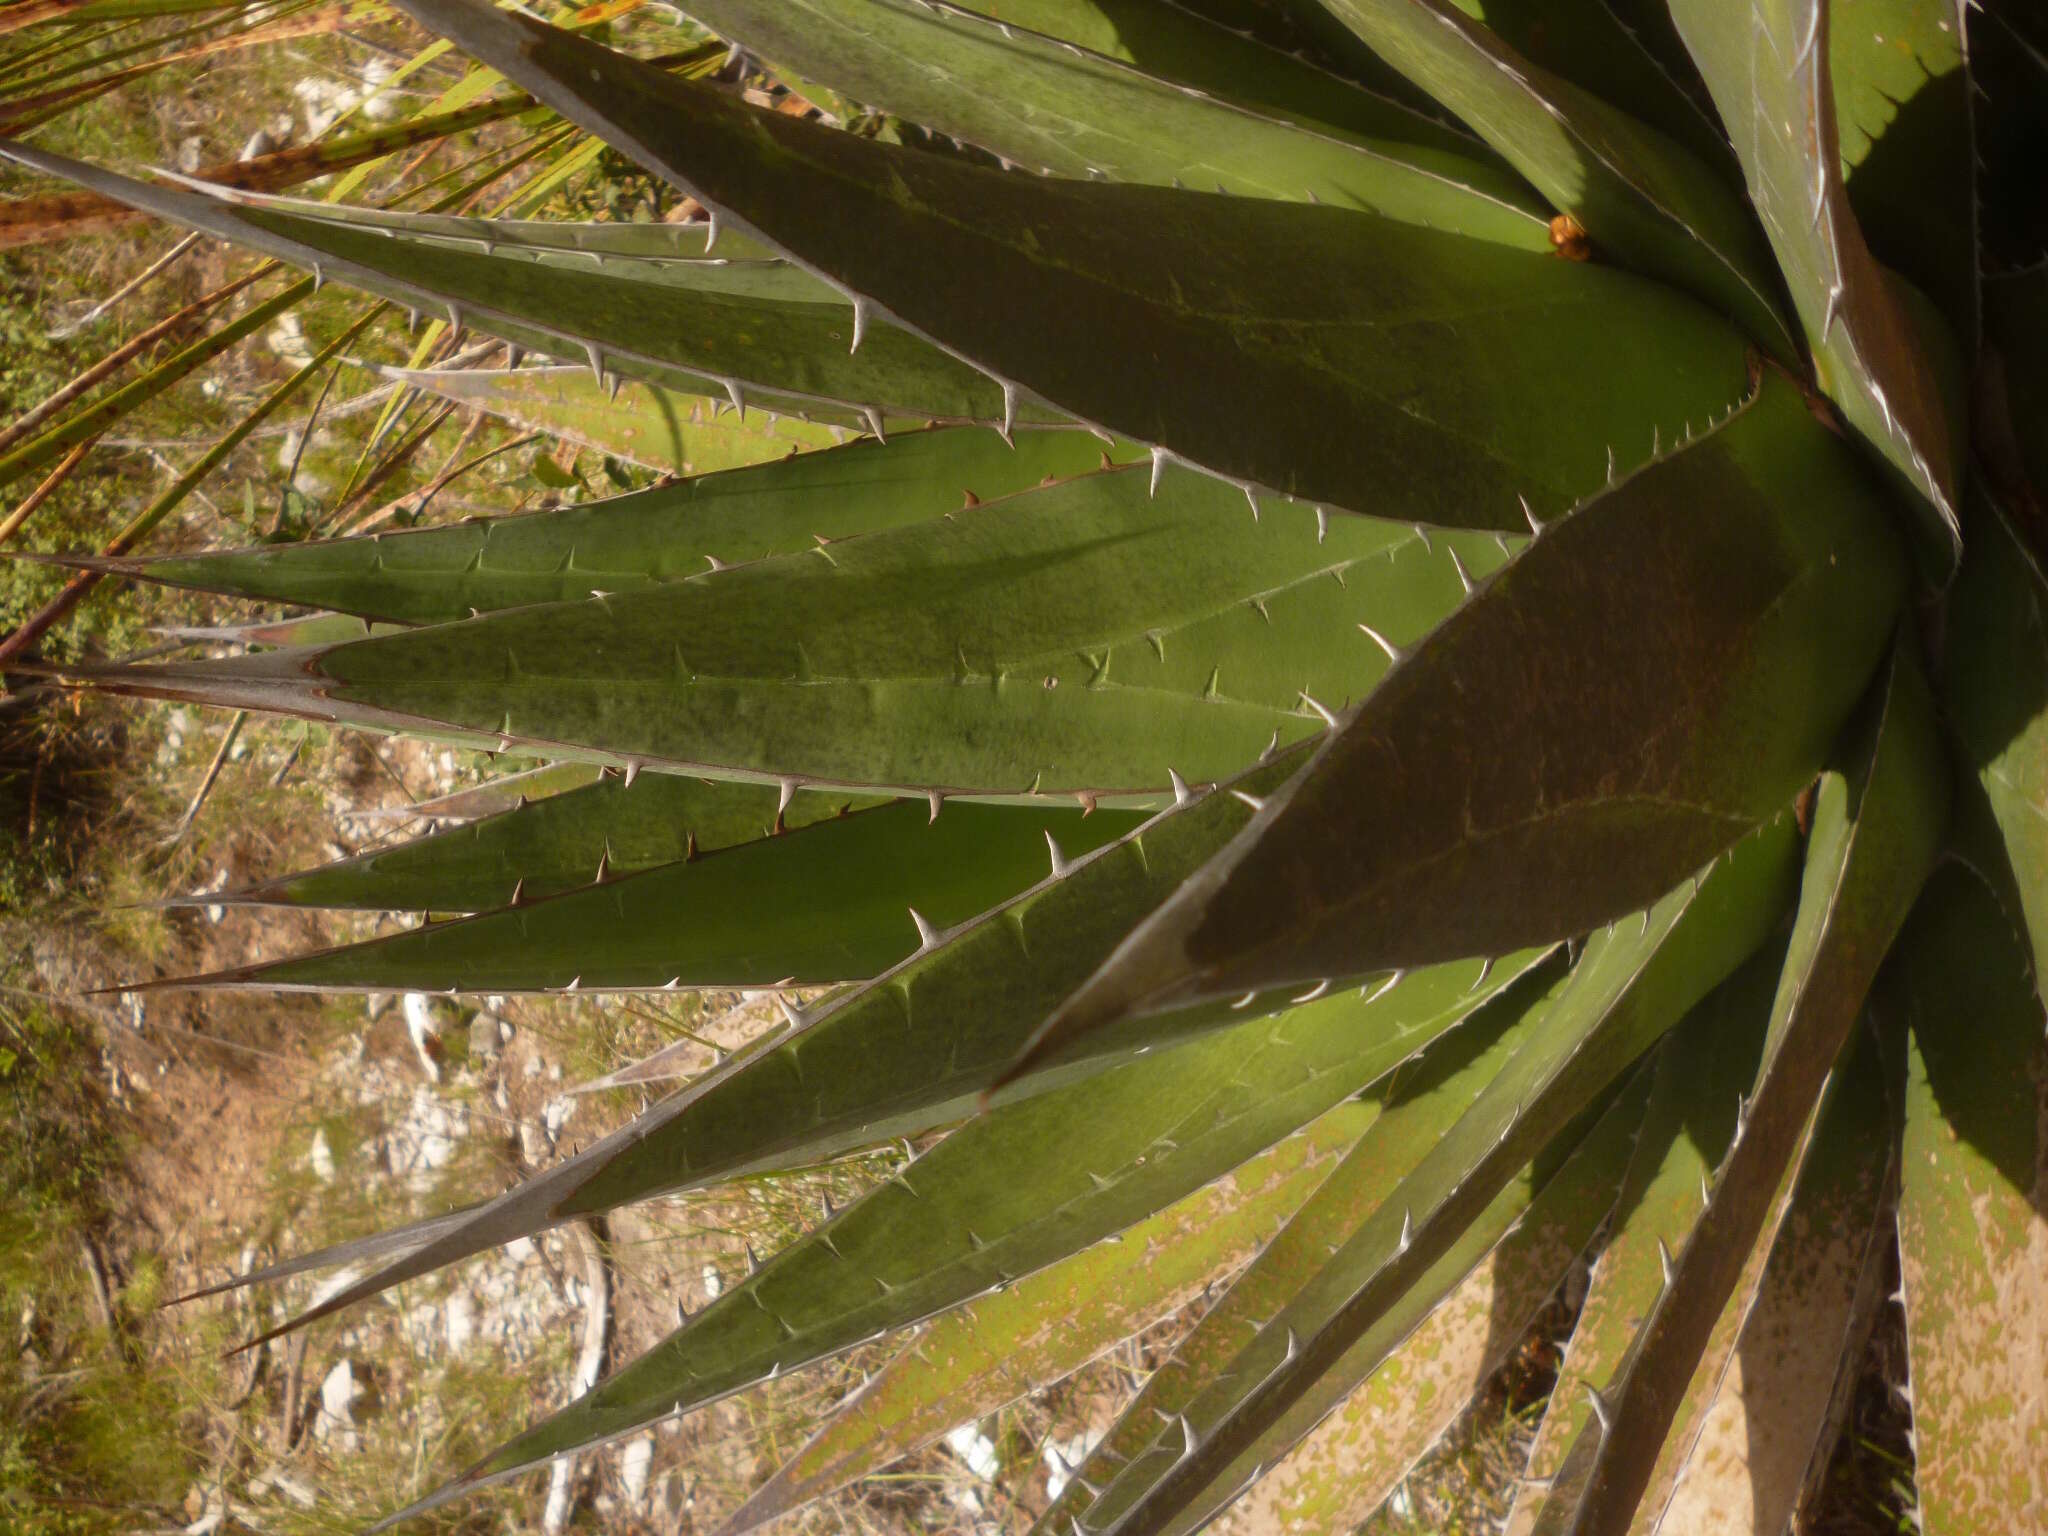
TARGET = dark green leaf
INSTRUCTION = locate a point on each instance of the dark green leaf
(1902, 109)
(1641, 196)
(1002, 1196)
(1973, 1237)
(1995, 684)
(1876, 832)
(1237, 329)
(1632, 983)
(640, 422)
(1049, 105)
(1765, 1406)
(549, 846)
(1086, 638)
(1767, 64)
(914, 1048)
(1643, 684)
(1705, 1068)
(1319, 1265)
(620, 545)
(968, 1363)
(839, 900)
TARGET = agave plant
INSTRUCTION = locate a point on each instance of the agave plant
(1386, 666)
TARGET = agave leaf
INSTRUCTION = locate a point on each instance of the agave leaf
(1640, 195)
(306, 629)
(1424, 1099)
(1902, 110)
(1995, 684)
(1767, 64)
(915, 1048)
(641, 423)
(1612, 55)
(1229, 53)
(1701, 1074)
(1293, 1283)
(1631, 984)
(1973, 1239)
(843, 899)
(1767, 1419)
(1876, 831)
(1343, 1468)
(625, 543)
(552, 845)
(1048, 104)
(506, 792)
(640, 252)
(1085, 638)
(1232, 364)
(972, 1360)
(1646, 681)
(766, 335)
(963, 1218)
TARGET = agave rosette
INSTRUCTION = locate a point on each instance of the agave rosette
(1380, 669)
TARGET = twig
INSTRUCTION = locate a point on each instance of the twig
(66, 332)
(35, 498)
(220, 757)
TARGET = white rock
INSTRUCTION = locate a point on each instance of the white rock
(557, 1114)
(976, 1449)
(461, 1321)
(713, 1286)
(634, 1461)
(337, 1392)
(320, 1157)
(422, 1025)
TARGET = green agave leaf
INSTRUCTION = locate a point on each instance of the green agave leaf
(1640, 195)
(307, 629)
(628, 543)
(1234, 364)
(641, 423)
(762, 334)
(1876, 832)
(1768, 66)
(843, 899)
(913, 1049)
(1973, 1240)
(1701, 1075)
(1902, 110)
(1048, 104)
(1318, 1261)
(1612, 55)
(971, 1361)
(680, 253)
(506, 792)
(1429, 1355)
(1238, 53)
(1655, 675)
(1995, 686)
(1006, 1194)
(1424, 1098)
(1086, 638)
(1767, 1418)
(554, 845)
(1631, 984)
